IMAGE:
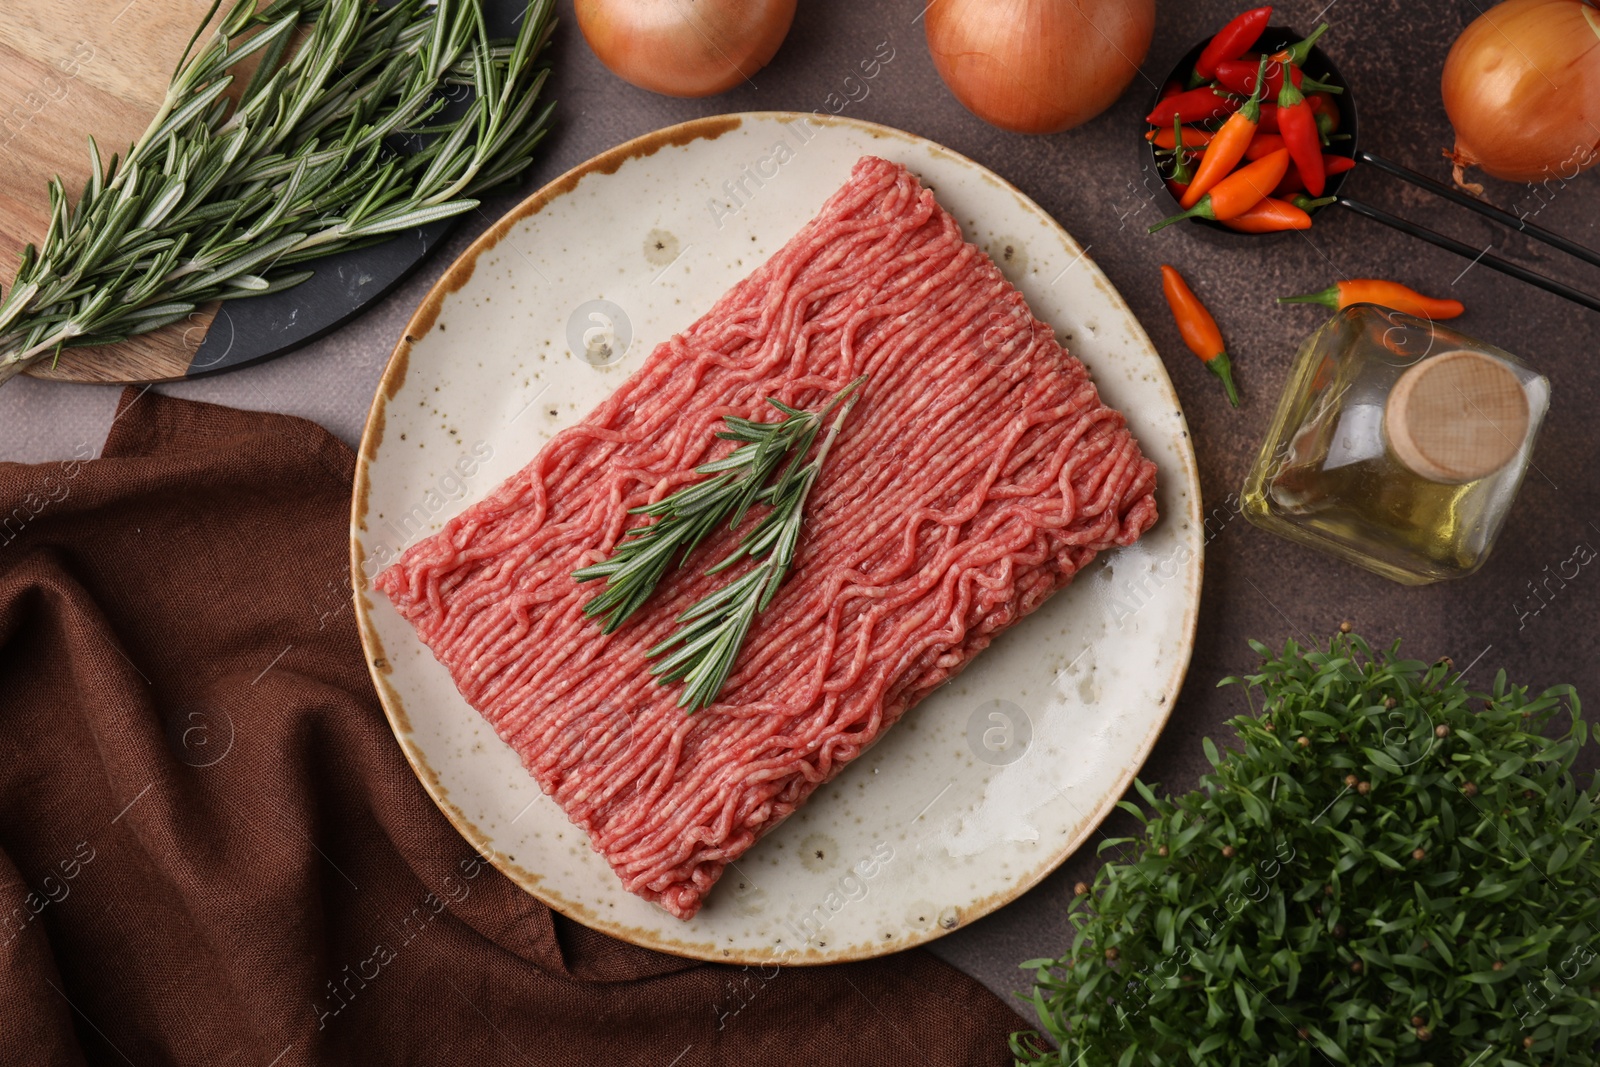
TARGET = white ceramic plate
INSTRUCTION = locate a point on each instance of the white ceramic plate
(982, 789)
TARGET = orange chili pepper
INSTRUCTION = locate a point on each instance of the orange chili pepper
(1264, 145)
(1270, 216)
(1273, 215)
(1193, 137)
(1229, 145)
(1310, 206)
(1386, 294)
(1238, 192)
(1198, 328)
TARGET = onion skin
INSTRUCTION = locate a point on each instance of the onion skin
(1039, 66)
(685, 47)
(1522, 88)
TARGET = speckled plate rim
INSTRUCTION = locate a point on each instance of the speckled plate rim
(456, 276)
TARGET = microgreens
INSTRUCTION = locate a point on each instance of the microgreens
(1392, 869)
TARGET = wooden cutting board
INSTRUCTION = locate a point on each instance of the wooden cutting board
(69, 68)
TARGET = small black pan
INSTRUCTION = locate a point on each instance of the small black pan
(1320, 67)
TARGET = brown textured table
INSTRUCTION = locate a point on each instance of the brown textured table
(1520, 612)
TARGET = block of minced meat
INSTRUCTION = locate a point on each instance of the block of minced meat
(977, 474)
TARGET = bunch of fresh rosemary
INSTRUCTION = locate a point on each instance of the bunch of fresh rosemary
(713, 629)
(1393, 870)
(339, 138)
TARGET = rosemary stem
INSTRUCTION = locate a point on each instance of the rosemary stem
(235, 189)
(136, 150)
(838, 424)
(12, 364)
(702, 651)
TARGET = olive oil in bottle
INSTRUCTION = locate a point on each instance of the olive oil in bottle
(1398, 445)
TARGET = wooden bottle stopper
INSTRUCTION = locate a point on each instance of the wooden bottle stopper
(1456, 417)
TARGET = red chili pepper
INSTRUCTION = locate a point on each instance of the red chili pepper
(1331, 165)
(1227, 148)
(1238, 192)
(1326, 109)
(1269, 117)
(1239, 76)
(1231, 42)
(1199, 329)
(1196, 105)
(1386, 294)
(1299, 128)
(1264, 145)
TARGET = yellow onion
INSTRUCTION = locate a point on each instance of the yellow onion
(1039, 66)
(685, 47)
(1522, 89)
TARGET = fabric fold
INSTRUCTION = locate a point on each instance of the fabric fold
(213, 851)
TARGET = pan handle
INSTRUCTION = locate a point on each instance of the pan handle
(1450, 244)
(1487, 210)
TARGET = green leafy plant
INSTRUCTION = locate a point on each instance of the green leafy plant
(1392, 870)
(343, 135)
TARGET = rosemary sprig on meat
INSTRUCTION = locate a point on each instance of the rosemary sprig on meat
(738, 480)
(339, 139)
(713, 629)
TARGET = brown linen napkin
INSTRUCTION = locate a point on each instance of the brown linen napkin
(213, 852)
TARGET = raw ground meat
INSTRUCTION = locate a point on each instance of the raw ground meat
(978, 473)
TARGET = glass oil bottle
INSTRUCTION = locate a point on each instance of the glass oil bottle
(1398, 445)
